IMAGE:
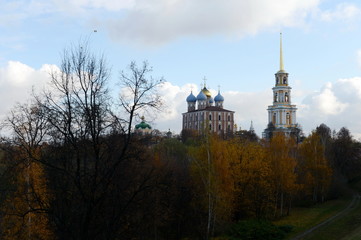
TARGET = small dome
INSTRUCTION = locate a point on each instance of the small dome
(191, 98)
(219, 98)
(201, 96)
(143, 125)
(211, 100)
(206, 92)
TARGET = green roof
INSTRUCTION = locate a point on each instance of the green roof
(143, 125)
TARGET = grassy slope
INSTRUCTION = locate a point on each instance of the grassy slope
(346, 228)
(305, 218)
(342, 228)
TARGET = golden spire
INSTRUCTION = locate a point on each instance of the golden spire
(281, 54)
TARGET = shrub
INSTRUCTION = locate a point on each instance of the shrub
(258, 229)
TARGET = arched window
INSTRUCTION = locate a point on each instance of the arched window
(274, 118)
(277, 80)
(284, 80)
(276, 97)
(288, 119)
(210, 126)
(286, 97)
(210, 116)
(229, 118)
(219, 127)
(219, 117)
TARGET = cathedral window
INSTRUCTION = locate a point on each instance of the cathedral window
(210, 116)
(219, 117)
(229, 118)
(286, 97)
(274, 118)
(284, 80)
(210, 126)
(219, 127)
(288, 118)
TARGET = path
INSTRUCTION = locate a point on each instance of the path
(353, 204)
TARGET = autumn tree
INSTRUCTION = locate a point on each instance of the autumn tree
(281, 154)
(211, 171)
(253, 180)
(26, 208)
(314, 169)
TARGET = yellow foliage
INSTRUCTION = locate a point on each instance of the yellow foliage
(314, 168)
(25, 209)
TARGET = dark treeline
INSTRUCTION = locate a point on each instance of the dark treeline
(72, 169)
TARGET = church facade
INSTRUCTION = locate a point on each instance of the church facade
(281, 114)
(204, 112)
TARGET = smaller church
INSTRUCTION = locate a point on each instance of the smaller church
(205, 112)
(143, 128)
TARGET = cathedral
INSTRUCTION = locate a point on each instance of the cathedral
(281, 114)
(205, 112)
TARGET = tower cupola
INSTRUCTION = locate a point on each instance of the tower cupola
(191, 100)
(202, 100)
(219, 99)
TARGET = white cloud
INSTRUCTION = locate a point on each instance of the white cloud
(16, 82)
(85, 5)
(343, 11)
(337, 105)
(155, 22)
(160, 21)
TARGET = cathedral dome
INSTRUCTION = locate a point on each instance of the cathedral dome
(211, 100)
(206, 92)
(201, 96)
(219, 97)
(191, 98)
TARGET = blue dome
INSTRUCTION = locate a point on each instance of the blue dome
(219, 98)
(201, 96)
(191, 98)
(211, 100)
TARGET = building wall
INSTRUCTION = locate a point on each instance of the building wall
(217, 121)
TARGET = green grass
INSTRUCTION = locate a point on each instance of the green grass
(305, 218)
(346, 227)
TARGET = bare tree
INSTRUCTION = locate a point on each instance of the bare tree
(139, 93)
(89, 156)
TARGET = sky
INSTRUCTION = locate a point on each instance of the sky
(234, 44)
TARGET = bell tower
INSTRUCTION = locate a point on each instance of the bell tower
(281, 114)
